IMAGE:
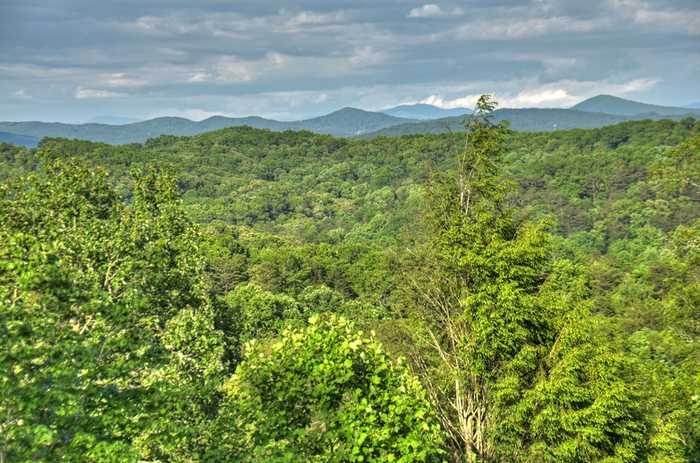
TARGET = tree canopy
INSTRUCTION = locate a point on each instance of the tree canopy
(247, 295)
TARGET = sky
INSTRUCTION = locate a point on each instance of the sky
(74, 60)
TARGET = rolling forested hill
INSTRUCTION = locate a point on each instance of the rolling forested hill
(152, 255)
(297, 183)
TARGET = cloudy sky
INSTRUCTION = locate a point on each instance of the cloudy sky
(72, 60)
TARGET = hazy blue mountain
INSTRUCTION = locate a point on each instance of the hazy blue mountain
(344, 122)
(694, 105)
(19, 140)
(349, 122)
(113, 120)
(614, 105)
(425, 111)
(523, 119)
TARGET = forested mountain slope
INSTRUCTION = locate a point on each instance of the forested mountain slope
(574, 273)
(300, 177)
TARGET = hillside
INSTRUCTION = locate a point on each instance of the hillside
(619, 106)
(19, 140)
(186, 248)
(278, 172)
(347, 122)
(425, 111)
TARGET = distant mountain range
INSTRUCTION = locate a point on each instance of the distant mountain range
(619, 106)
(20, 140)
(425, 111)
(694, 105)
(525, 119)
(346, 122)
(350, 122)
(595, 112)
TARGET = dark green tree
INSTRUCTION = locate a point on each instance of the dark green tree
(492, 323)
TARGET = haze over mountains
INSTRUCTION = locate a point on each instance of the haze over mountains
(112, 120)
(619, 106)
(19, 140)
(594, 112)
(425, 111)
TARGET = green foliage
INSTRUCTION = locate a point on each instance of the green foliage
(262, 313)
(324, 393)
(95, 298)
(585, 408)
(481, 307)
(569, 276)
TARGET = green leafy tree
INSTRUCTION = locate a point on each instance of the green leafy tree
(583, 406)
(260, 313)
(109, 346)
(324, 393)
(493, 333)
(478, 281)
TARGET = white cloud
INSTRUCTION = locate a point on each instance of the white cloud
(200, 77)
(567, 93)
(82, 93)
(367, 57)
(544, 97)
(235, 69)
(164, 25)
(122, 79)
(231, 68)
(513, 29)
(641, 13)
(467, 101)
(528, 93)
(429, 10)
(274, 65)
(637, 85)
(310, 18)
(432, 10)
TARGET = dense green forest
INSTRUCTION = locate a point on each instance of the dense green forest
(246, 295)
